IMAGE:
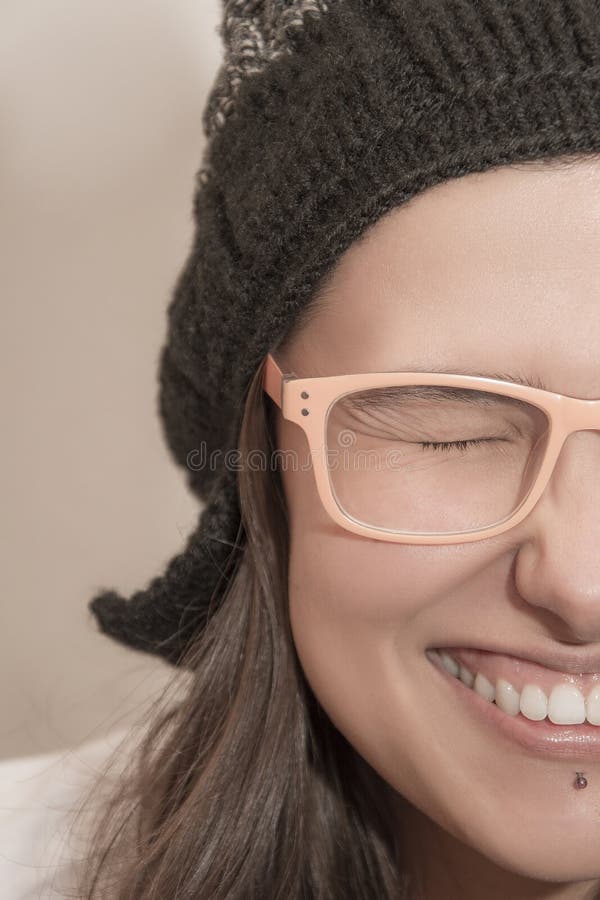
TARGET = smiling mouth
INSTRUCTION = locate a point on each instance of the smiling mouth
(521, 686)
(501, 710)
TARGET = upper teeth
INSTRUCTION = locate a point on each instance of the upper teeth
(565, 705)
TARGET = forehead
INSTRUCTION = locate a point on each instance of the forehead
(498, 269)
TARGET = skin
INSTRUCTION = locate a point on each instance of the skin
(495, 271)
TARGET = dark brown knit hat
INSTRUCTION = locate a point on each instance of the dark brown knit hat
(324, 116)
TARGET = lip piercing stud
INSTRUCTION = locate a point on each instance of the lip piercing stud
(580, 781)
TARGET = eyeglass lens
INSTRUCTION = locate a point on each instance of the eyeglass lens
(433, 459)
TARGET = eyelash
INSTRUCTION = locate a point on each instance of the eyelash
(446, 445)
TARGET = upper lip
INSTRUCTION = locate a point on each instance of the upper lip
(572, 663)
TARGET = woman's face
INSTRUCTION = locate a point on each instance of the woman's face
(493, 272)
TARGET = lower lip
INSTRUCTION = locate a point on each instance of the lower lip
(576, 742)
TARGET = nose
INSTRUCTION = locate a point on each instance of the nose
(557, 566)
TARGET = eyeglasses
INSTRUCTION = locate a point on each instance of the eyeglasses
(428, 458)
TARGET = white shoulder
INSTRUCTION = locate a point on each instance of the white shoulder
(38, 795)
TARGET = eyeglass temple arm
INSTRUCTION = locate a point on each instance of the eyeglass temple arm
(273, 380)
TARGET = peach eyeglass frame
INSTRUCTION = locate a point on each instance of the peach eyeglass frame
(306, 401)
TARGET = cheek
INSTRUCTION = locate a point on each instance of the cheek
(356, 586)
(362, 613)
(355, 614)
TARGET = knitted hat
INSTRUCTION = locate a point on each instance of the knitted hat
(324, 116)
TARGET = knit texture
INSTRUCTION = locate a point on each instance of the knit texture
(323, 117)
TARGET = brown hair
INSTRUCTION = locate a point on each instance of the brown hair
(243, 788)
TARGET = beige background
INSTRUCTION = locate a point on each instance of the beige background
(101, 138)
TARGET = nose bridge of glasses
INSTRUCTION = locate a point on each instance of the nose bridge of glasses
(575, 414)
